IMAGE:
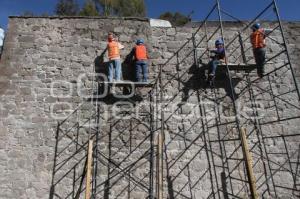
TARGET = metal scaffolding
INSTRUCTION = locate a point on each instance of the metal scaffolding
(236, 163)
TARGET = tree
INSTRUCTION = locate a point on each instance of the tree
(176, 19)
(108, 6)
(135, 8)
(167, 16)
(128, 8)
(66, 8)
(89, 9)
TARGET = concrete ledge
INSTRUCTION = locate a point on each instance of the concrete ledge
(160, 23)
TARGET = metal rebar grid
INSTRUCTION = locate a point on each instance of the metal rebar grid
(210, 152)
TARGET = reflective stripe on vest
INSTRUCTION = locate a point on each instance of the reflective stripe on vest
(258, 39)
(140, 52)
(113, 49)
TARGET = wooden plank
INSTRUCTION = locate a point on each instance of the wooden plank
(234, 67)
(249, 165)
(238, 67)
(128, 83)
(89, 170)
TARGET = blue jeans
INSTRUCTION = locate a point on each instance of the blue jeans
(141, 67)
(114, 68)
(213, 64)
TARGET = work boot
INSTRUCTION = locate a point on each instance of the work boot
(260, 75)
(260, 72)
(211, 76)
(112, 90)
(210, 79)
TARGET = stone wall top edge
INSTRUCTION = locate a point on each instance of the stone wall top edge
(80, 17)
(193, 24)
(235, 23)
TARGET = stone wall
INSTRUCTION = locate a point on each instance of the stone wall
(41, 67)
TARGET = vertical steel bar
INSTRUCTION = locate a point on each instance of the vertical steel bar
(230, 80)
(195, 50)
(269, 165)
(274, 100)
(151, 196)
(207, 39)
(96, 158)
(297, 168)
(289, 159)
(129, 170)
(257, 127)
(207, 130)
(160, 142)
(242, 48)
(285, 46)
(203, 114)
(52, 189)
(76, 148)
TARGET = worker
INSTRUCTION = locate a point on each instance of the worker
(217, 58)
(258, 45)
(114, 56)
(1, 40)
(141, 66)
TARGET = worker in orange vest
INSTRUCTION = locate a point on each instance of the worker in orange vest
(258, 45)
(141, 57)
(115, 67)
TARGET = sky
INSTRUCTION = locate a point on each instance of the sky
(243, 9)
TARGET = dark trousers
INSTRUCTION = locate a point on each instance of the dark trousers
(141, 67)
(260, 58)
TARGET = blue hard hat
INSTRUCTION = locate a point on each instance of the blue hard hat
(219, 42)
(139, 41)
(255, 26)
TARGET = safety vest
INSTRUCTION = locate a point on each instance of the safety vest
(140, 52)
(113, 50)
(258, 39)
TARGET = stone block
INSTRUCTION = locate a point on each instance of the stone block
(171, 31)
(174, 44)
(26, 39)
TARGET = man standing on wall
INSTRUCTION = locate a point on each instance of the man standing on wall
(115, 68)
(1, 40)
(140, 54)
(259, 44)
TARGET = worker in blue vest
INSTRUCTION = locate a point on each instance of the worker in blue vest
(217, 58)
(141, 58)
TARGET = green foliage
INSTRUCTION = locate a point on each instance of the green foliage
(108, 6)
(135, 8)
(67, 8)
(89, 9)
(176, 19)
(128, 8)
